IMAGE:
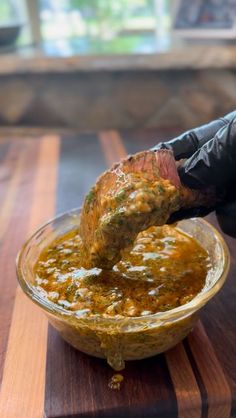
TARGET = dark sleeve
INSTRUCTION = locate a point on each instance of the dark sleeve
(226, 216)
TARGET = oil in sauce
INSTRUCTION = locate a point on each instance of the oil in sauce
(164, 269)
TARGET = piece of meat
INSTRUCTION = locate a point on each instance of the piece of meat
(140, 191)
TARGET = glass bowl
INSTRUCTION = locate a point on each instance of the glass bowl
(130, 338)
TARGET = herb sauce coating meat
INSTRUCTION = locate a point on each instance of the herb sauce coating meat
(140, 191)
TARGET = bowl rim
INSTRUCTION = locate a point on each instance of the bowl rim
(173, 314)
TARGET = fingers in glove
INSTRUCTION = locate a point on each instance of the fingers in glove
(229, 117)
(189, 213)
(189, 142)
(214, 164)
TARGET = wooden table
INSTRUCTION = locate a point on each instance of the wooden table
(41, 175)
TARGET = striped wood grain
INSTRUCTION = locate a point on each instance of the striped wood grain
(219, 397)
(16, 185)
(81, 161)
(188, 401)
(186, 387)
(36, 178)
(24, 368)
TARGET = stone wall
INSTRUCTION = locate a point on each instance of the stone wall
(116, 99)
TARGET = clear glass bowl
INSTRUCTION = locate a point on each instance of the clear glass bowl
(128, 338)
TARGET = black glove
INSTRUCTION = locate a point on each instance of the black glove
(210, 153)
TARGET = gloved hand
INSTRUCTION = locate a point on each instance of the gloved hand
(210, 161)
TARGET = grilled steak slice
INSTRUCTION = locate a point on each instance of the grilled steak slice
(140, 191)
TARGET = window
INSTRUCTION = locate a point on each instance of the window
(102, 26)
(68, 27)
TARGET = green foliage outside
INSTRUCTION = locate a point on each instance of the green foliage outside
(101, 26)
(110, 15)
(7, 12)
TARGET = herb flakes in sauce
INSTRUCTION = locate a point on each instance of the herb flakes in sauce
(164, 269)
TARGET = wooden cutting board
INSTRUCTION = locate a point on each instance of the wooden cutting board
(40, 374)
(186, 382)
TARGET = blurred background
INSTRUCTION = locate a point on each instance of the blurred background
(95, 64)
(68, 27)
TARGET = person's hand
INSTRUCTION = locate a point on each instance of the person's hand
(209, 154)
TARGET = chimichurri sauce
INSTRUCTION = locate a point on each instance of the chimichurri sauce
(164, 269)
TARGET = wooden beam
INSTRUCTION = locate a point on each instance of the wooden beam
(33, 10)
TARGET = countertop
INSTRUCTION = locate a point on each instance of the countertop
(179, 57)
